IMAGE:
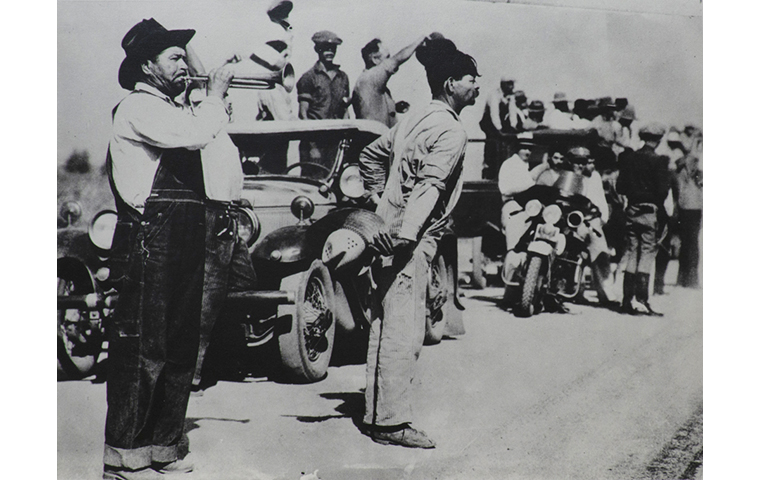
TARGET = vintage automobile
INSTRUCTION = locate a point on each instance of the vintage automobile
(302, 181)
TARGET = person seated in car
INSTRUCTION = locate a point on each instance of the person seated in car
(578, 160)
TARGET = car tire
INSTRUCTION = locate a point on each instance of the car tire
(76, 358)
(306, 344)
(440, 277)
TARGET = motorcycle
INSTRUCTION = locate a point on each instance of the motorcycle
(552, 255)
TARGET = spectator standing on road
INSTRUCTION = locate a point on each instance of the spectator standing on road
(425, 152)
(371, 99)
(560, 117)
(493, 124)
(160, 174)
(629, 131)
(689, 176)
(644, 180)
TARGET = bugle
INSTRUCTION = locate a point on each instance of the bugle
(265, 81)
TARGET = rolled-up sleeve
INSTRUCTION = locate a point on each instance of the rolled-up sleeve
(305, 88)
(374, 163)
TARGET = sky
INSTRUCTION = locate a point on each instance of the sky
(585, 51)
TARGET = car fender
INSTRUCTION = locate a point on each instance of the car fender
(285, 245)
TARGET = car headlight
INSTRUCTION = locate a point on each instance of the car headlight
(302, 207)
(552, 214)
(101, 229)
(351, 183)
(533, 208)
(249, 226)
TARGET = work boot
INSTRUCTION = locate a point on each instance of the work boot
(117, 473)
(629, 291)
(405, 437)
(642, 294)
(177, 466)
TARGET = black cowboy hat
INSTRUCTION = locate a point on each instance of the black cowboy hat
(143, 41)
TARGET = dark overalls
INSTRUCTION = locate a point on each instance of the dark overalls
(153, 345)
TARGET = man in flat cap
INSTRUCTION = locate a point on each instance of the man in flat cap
(425, 152)
(644, 180)
(323, 93)
(165, 160)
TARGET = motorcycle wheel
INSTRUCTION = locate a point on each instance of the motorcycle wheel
(439, 280)
(78, 344)
(530, 297)
(306, 347)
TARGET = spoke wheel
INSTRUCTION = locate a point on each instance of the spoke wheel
(306, 346)
(80, 338)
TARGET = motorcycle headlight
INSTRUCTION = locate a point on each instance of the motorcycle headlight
(533, 208)
(552, 214)
(249, 227)
(575, 219)
(101, 229)
(351, 183)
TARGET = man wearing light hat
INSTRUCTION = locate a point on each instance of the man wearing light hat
(165, 160)
(560, 117)
(515, 176)
(644, 180)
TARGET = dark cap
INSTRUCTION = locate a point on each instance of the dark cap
(146, 40)
(326, 36)
(526, 143)
(579, 155)
(442, 60)
(536, 106)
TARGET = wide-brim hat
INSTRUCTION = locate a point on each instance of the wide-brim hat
(279, 10)
(146, 40)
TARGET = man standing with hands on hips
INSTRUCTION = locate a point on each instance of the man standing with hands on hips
(644, 180)
(165, 160)
(425, 152)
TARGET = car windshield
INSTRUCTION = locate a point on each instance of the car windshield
(280, 155)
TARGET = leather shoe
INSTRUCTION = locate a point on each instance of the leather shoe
(406, 437)
(177, 466)
(651, 312)
(114, 473)
(628, 309)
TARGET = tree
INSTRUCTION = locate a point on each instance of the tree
(78, 162)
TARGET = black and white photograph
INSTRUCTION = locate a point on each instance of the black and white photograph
(255, 198)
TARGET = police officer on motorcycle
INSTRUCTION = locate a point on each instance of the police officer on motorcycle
(578, 160)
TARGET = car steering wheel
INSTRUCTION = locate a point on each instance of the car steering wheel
(301, 164)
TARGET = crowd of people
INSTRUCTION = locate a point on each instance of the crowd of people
(651, 178)
(177, 180)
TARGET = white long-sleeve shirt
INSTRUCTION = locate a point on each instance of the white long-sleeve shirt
(147, 121)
